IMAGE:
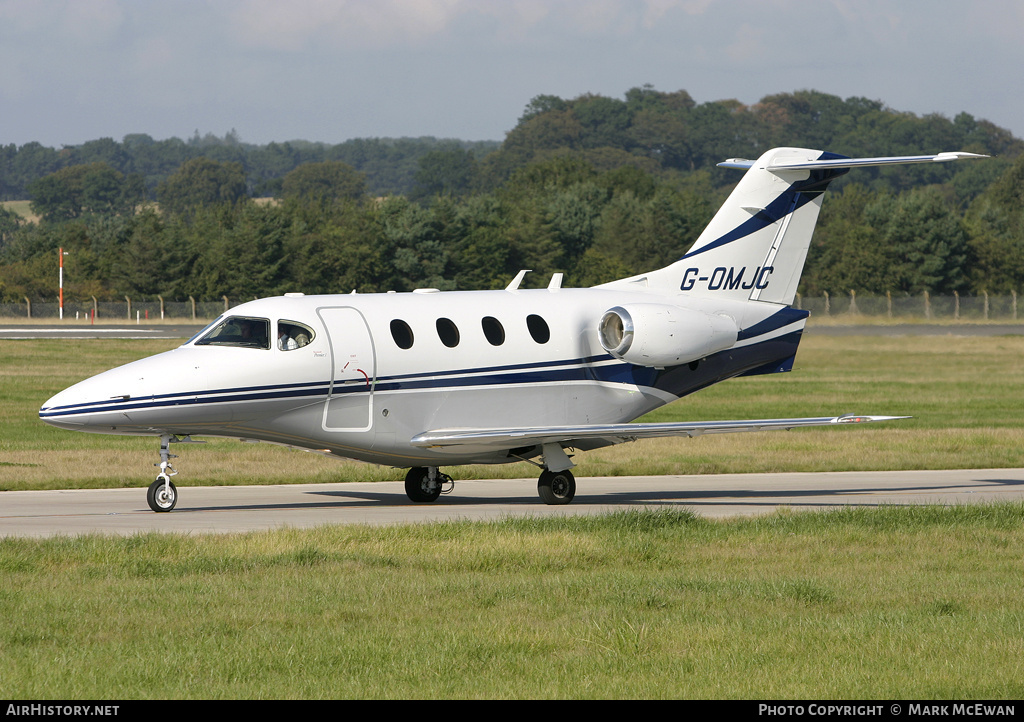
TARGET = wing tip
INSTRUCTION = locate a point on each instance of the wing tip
(862, 419)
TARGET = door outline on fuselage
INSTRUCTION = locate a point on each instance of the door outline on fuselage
(349, 403)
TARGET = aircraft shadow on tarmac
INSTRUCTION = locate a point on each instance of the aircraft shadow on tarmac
(682, 497)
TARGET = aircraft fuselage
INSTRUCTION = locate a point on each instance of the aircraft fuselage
(525, 358)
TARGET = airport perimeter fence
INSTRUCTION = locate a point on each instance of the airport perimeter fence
(851, 305)
(127, 310)
(907, 307)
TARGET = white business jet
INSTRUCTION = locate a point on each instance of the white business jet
(428, 379)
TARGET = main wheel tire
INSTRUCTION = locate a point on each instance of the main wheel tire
(418, 486)
(162, 496)
(556, 487)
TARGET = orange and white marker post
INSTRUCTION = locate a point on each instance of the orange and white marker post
(61, 254)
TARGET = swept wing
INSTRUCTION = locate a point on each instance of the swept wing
(457, 440)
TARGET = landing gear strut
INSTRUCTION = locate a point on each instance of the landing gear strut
(556, 485)
(162, 494)
(426, 483)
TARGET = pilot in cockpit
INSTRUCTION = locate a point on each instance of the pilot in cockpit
(253, 333)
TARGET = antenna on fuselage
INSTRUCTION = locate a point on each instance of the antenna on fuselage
(514, 286)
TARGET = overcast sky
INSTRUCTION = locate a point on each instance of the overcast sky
(331, 70)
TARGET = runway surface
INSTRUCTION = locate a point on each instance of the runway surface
(70, 330)
(251, 508)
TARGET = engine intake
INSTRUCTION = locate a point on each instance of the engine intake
(649, 334)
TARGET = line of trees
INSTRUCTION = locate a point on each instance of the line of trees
(389, 164)
(595, 187)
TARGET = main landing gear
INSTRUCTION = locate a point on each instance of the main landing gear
(426, 484)
(162, 494)
(556, 487)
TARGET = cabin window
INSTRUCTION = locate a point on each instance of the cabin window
(493, 330)
(292, 335)
(448, 332)
(538, 328)
(401, 333)
(239, 331)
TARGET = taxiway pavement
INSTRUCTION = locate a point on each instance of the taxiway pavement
(253, 508)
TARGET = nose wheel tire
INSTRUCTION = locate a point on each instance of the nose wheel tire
(162, 495)
(556, 487)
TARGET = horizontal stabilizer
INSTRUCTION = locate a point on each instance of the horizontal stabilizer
(617, 433)
(789, 163)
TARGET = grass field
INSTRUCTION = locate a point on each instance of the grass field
(963, 392)
(893, 603)
(22, 208)
(917, 603)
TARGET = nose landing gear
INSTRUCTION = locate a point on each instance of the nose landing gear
(162, 494)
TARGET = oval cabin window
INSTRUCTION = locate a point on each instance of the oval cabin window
(494, 332)
(401, 333)
(448, 332)
(538, 328)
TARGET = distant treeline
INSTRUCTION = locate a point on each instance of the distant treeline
(389, 164)
(595, 187)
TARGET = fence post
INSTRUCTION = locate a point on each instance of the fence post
(985, 294)
(927, 306)
(193, 307)
(129, 301)
(225, 303)
(161, 307)
(28, 304)
(888, 303)
(853, 301)
(956, 306)
(95, 308)
(827, 309)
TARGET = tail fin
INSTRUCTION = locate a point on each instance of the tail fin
(755, 246)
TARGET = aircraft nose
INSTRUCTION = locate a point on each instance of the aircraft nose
(76, 406)
(94, 404)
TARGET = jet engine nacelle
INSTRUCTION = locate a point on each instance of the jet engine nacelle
(648, 334)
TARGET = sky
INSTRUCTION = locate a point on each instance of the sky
(332, 70)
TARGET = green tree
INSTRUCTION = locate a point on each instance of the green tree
(78, 190)
(326, 181)
(878, 242)
(925, 239)
(541, 104)
(846, 253)
(449, 172)
(605, 121)
(411, 237)
(10, 222)
(482, 256)
(199, 183)
(996, 225)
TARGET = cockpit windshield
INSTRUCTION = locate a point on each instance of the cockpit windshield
(241, 331)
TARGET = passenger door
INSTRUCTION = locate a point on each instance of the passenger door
(349, 405)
